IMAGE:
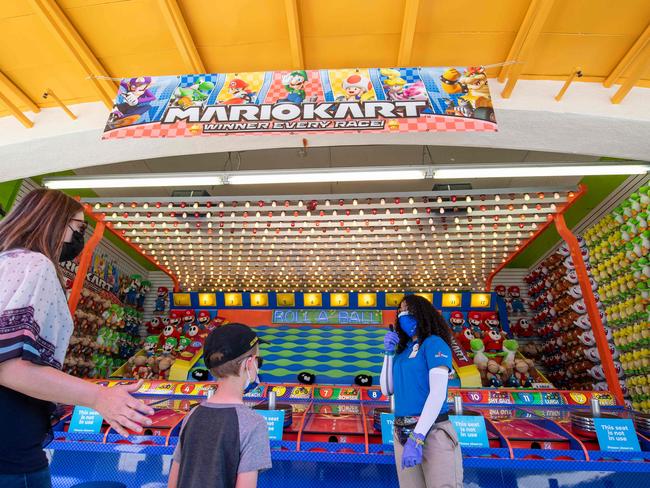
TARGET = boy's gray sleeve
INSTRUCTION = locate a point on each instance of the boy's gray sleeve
(177, 452)
(255, 446)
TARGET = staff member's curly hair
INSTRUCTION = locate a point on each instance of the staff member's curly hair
(430, 322)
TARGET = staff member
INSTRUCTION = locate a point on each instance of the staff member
(46, 228)
(416, 370)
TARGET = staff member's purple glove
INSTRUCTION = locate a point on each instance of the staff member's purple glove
(412, 455)
(391, 339)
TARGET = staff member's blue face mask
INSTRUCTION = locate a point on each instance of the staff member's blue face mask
(408, 323)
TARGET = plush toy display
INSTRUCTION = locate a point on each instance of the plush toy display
(105, 335)
(494, 372)
(493, 341)
(457, 321)
(480, 359)
(464, 338)
(560, 319)
(619, 245)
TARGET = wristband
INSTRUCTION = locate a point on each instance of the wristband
(416, 439)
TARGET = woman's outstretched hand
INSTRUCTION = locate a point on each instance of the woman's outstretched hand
(121, 410)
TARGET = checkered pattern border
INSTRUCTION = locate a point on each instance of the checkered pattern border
(437, 123)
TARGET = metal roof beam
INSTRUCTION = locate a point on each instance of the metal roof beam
(525, 41)
(409, 23)
(181, 35)
(629, 58)
(50, 13)
(295, 37)
(8, 87)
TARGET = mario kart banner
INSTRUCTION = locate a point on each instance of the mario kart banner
(314, 101)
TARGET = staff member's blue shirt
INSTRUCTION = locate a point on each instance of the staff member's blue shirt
(411, 374)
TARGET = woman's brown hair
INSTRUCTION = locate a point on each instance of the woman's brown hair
(38, 223)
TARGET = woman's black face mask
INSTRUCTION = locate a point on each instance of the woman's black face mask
(73, 248)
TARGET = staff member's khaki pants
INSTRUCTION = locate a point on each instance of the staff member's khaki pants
(442, 462)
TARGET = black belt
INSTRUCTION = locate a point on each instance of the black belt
(412, 420)
(404, 426)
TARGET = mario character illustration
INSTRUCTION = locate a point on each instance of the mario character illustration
(161, 299)
(239, 93)
(357, 89)
(193, 95)
(457, 321)
(136, 101)
(294, 83)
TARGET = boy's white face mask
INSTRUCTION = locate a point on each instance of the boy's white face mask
(251, 383)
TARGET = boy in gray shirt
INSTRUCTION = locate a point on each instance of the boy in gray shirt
(223, 443)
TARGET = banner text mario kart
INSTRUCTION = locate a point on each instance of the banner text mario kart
(348, 100)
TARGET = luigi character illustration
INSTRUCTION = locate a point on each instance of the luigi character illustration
(294, 83)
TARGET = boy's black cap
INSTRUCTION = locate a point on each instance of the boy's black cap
(231, 341)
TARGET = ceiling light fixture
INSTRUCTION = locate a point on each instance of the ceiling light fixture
(539, 171)
(326, 175)
(330, 175)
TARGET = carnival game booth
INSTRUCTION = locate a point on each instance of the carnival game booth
(324, 344)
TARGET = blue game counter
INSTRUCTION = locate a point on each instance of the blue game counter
(352, 453)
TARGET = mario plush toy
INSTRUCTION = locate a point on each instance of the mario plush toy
(175, 318)
(204, 318)
(188, 319)
(161, 299)
(516, 303)
(475, 321)
(457, 321)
